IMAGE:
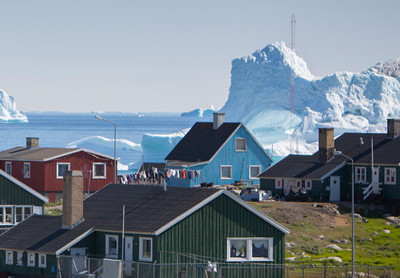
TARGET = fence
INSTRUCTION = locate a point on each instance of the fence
(92, 267)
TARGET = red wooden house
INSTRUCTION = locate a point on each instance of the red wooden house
(42, 168)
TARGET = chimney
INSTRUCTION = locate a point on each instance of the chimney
(326, 144)
(72, 199)
(219, 119)
(32, 142)
(393, 128)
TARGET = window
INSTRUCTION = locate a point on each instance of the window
(31, 259)
(6, 215)
(226, 172)
(61, 168)
(240, 144)
(145, 249)
(21, 213)
(27, 170)
(254, 171)
(9, 168)
(298, 183)
(390, 175)
(112, 246)
(27, 212)
(308, 185)
(9, 257)
(361, 174)
(249, 249)
(278, 184)
(20, 258)
(99, 170)
(42, 260)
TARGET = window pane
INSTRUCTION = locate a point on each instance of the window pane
(226, 172)
(99, 170)
(238, 249)
(147, 248)
(27, 212)
(240, 144)
(18, 214)
(62, 168)
(260, 248)
(8, 215)
(1, 214)
(112, 246)
(254, 171)
(8, 168)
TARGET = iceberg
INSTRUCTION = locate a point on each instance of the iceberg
(199, 113)
(8, 109)
(259, 96)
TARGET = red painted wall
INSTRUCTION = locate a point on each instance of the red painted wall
(44, 174)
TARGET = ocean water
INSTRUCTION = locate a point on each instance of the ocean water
(60, 129)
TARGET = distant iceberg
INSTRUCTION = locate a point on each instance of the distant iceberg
(199, 113)
(8, 109)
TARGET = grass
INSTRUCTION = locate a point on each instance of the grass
(53, 208)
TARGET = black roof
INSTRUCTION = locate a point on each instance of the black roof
(202, 142)
(354, 145)
(147, 209)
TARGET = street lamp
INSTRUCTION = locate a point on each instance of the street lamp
(115, 145)
(352, 209)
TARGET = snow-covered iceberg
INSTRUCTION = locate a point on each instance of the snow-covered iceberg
(199, 113)
(259, 96)
(8, 109)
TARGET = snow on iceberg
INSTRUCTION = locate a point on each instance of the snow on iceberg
(206, 113)
(259, 96)
(8, 109)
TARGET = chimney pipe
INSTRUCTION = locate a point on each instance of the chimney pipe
(326, 144)
(72, 199)
(219, 119)
(32, 142)
(393, 128)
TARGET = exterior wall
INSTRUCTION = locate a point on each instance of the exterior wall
(239, 160)
(12, 194)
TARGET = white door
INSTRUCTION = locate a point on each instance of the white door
(375, 179)
(128, 254)
(335, 189)
(78, 259)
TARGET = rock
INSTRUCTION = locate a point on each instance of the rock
(366, 239)
(386, 231)
(388, 223)
(375, 233)
(333, 226)
(392, 219)
(336, 259)
(291, 259)
(335, 247)
(321, 237)
(290, 244)
(357, 216)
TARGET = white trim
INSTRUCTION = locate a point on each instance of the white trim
(333, 170)
(73, 242)
(8, 253)
(392, 172)
(220, 171)
(245, 144)
(259, 172)
(276, 183)
(306, 184)
(5, 167)
(249, 250)
(298, 183)
(28, 174)
(78, 150)
(28, 261)
(40, 264)
(24, 186)
(93, 170)
(4, 216)
(107, 243)
(62, 163)
(362, 169)
(141, 258)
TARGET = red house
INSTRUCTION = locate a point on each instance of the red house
(42, 168)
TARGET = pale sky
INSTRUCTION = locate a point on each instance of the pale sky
(173, 56)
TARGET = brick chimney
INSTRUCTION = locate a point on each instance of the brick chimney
(219, 119)
(32, 142)
(326, 144)
(393, 128)
(72, 199)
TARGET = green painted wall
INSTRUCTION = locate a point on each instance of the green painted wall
(12, 194)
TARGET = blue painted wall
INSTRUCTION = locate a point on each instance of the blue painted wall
(239, 160)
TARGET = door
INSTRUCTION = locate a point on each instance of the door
(335, 189)
(128, 255)
(375, 179)
(78, 259)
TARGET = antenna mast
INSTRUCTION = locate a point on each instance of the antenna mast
(292, 76)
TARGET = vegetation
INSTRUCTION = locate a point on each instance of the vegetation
(53, 208)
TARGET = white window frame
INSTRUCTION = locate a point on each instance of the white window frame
(308, 185)
(57, 170)
(259, 171)
(23, 213)
(108, 255)
(236, 144)
(27, 174)
(20, 258)
(226, 178)
(249, 250)
(9, 257)
(42, 265)
(277, 182)
(3, 216)
(298, 183)
(8, 171)
(392, 173)
(29, 262)
(141, 257)
(94, 172)
(360, 174)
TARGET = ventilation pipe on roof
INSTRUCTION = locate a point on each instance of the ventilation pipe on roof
(32, 142)
(72, 199)
(393, 128)
(326, 144)
(219, 119)
(165, 186)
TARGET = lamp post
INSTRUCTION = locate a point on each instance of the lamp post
(352, 209)
(115, 145)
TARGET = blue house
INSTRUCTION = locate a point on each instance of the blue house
(217, 152)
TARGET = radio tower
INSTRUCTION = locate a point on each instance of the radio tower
(292, 78)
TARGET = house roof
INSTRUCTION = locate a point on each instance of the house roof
(386, 152)
(202, 142)
(42, 154)
(148, 210)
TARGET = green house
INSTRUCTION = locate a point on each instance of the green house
(142, 224)
(17, 201)
(327, 174)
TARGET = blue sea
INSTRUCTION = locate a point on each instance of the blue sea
(60, 129)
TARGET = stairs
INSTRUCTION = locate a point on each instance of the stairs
(372, 188)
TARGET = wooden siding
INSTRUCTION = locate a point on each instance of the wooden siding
(12, 194)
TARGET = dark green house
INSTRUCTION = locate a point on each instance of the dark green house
(17, 201)
(327, 174)
(158, 220)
